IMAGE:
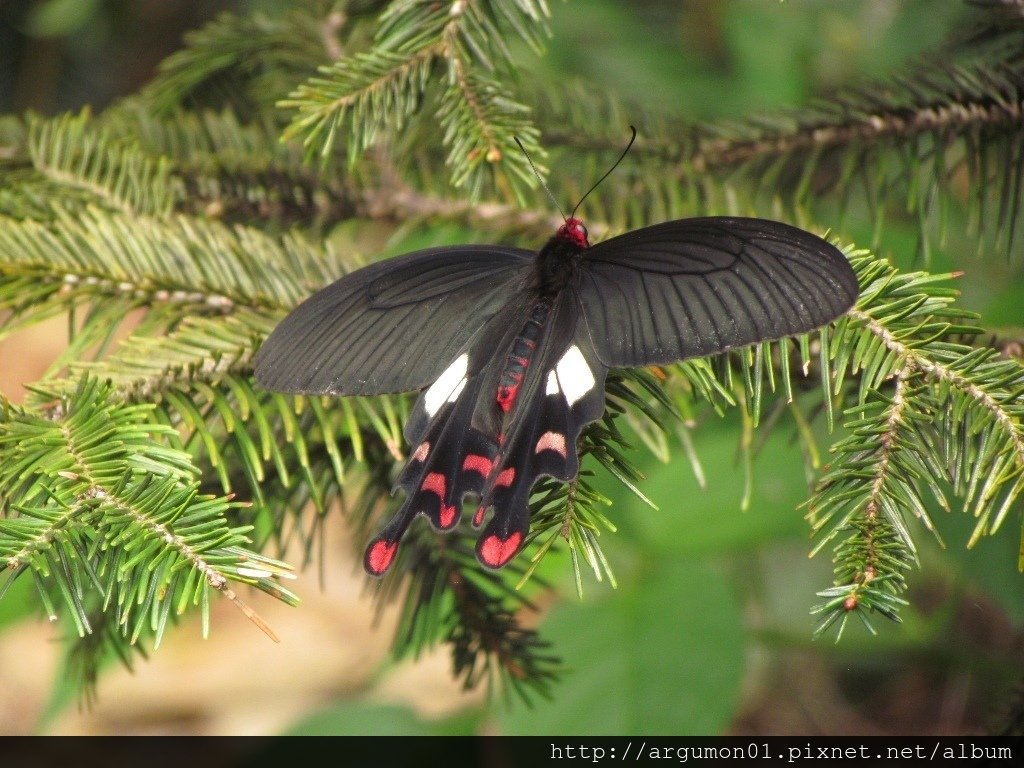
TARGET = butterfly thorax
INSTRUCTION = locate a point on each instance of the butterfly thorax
(557, 260)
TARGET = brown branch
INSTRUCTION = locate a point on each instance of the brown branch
(839, 130)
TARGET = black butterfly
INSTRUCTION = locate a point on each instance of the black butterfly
(511, 347)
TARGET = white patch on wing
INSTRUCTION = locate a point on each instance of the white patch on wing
(552, 388)
(574, 375)
(457, 391)
(448, 386)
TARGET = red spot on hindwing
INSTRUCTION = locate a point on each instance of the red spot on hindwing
(447, 516)
(495, 552)
(479, 516)
(435, 483)
(506, 477)
(379, 556)
(475, 463)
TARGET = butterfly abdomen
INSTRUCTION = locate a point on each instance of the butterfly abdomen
(520, 356)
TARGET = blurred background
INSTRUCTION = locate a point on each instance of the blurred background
(709, 629)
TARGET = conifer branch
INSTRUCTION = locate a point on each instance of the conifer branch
(990, 99)
(365, 93)
(199, 350)
(107, 511)
(118, 174)
(152, 262)
(955, 416)
(871, 561)
(446, 597)
(945, 119)
(951, 370)
(247, 61)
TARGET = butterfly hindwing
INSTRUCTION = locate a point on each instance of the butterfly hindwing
(448, 450)
(464, 442)
(392, 326)
(435, 478)
(545, 443)
(696, 287)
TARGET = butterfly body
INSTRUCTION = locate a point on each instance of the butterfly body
(519, 359)
(511, 348)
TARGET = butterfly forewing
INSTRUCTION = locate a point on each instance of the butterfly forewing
(697, 287)
(392, 326)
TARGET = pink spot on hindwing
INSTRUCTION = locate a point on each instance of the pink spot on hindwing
(421, 452)
(478, 517)
(551, 441)
(447, 516)
(495, 552)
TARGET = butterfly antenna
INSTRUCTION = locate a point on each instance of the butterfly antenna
(539, 177)
(609, 171)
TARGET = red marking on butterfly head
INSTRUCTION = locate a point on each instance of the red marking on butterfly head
(379, 556)
(495, 552)
(574, 232)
